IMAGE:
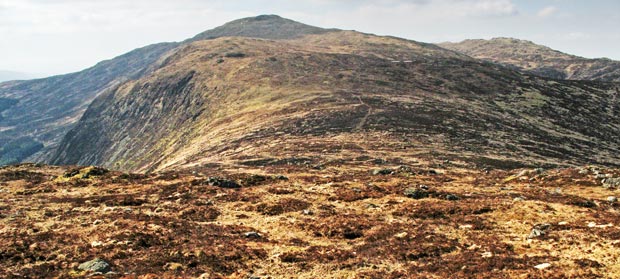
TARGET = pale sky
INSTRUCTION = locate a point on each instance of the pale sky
(61, 36)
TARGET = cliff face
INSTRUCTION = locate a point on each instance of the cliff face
(539, 60)
(255, 101)
(36, 114)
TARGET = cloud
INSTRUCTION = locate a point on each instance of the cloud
(491, 8)
(547, 11)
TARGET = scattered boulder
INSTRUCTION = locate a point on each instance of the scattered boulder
(452, 197)
(416, 193)
(281, 177)
(96, 265)
(173, 266)
(223, 183)
(252, 235)
(539, 230)
(612, 199)
(382, 171)
(611, 182)
(543, 266)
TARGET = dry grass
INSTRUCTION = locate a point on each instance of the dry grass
(337, 222)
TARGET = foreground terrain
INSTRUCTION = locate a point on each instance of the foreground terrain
(295, 218)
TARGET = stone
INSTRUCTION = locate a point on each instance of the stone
(539, 230)
(281, 177)
(611, 182)
(612, 199)
(401, 235)
(416, 193)
(383, 172)
(95, 265)
(543, 266)
(452, 197)
(223, 183)
(173, 266)
(252, 235)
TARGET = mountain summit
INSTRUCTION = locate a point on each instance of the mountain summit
(264, 26)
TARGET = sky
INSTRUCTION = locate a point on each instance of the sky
(47, 37)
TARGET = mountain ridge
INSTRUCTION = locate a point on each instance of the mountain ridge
(33, 123)
(538, 59)
(226, 99)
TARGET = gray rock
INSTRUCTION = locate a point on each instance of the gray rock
(539, 230)
(416, 193)
(223, 183)
(612, 199)
(611, 182)
(96, 265)
(383, 172)
(281, 177)
(252, 235)
(452, 197)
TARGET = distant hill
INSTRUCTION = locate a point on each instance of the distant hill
(11, 75)
(36, 114)
(537, 59)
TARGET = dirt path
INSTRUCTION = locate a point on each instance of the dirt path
(360, 125)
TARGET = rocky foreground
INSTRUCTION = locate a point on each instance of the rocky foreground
(371, 219)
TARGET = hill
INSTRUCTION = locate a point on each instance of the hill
(44, 110)
(537, 59)
(341, 95)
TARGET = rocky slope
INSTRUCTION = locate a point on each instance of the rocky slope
(44, 110)
(341, 95)
(36, 114)
(537, 59)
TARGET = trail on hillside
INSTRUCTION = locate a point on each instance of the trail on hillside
(362, 122)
